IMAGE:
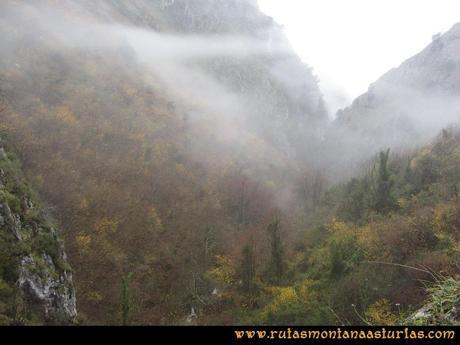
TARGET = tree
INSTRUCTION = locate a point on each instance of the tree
(126, 298)
(312, 188)
(2, 96)
(248, 270)
(276, 270)
(384, 200)
(356, 201)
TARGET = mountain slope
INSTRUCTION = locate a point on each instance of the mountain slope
(160, 144)
(406, 107)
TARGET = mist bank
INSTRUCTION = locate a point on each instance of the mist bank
(247, 85)
(244, 83)
(406, 108)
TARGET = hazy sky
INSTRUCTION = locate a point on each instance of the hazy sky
(350, 43)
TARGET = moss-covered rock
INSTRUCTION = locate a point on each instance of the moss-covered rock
(35, 278)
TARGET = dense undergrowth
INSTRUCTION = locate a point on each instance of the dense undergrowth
(384, 244)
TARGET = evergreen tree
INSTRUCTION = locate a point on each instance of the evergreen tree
(126, 298)
(277, 261)
(384, 200)
(248, 269)
(357, 200)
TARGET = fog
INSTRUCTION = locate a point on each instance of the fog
(229, 117)
(254, 95)
(177, 60)
(353, 45)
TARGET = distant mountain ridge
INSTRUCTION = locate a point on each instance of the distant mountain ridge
(406, 107)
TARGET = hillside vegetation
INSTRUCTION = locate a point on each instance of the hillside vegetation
(186, 153)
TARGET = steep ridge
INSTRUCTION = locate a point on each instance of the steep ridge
(406, 107)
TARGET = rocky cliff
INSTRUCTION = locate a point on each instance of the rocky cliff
(35, 279)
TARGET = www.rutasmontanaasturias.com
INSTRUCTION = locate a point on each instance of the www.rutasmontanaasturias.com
(339, 333)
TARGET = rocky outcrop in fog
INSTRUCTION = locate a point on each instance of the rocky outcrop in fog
(406, 107)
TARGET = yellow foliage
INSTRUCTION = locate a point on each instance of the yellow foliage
(154, 219)
(106, 225)
(403, 203)
(64, 114)
(130, 91)
(224, 271)
(180, 169)
(443, 216)
(161, 152)
(338, 227)
(317, 256)
(422, 154)
(83, 241)
(368, 238)
(270, 184)
(380, 313)
(38, 181)
(95, 296)
(4, 127)
(84, 204)
(305, 291)
(284, 298)
(286, 295)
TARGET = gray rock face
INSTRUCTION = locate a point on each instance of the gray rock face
(217, 16)
(11, 220)
(48, 289)
(427, 315)
(43, 274)
(2, 153)
(279, 93)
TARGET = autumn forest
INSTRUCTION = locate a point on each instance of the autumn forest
(174, 162)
